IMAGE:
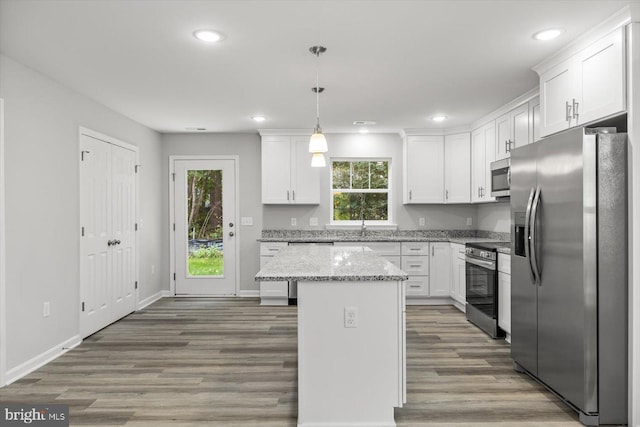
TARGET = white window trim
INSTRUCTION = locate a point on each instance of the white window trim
(382, 225)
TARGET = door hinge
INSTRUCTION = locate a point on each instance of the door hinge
(83, 306)
(174, 277)
(82, 231)
(82, 153)
(136, 227)
(136, 285)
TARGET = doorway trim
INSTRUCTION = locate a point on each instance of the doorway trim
(3, 284)
(113, 141)
(172, 219)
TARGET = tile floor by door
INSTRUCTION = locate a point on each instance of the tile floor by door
(230, 362)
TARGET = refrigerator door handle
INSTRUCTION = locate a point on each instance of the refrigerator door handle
(534, 239)
(527, 236)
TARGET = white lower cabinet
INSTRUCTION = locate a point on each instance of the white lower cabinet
(458, 276)
(415, 262)
(440, 269)
(272, 293)
(504, 294)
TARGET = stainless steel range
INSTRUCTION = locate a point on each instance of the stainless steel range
(482, 286)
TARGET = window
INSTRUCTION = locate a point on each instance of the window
(360, 190)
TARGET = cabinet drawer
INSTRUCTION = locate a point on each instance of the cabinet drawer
(274, 289)
(415, 265)
(504, 263)
(415, 248)
(383, 249)
(417, 286)
(271, 248)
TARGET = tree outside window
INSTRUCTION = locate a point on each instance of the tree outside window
(360, 190)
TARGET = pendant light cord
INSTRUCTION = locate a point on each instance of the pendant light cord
(318, 91)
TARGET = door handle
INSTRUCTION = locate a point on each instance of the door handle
(527, 237)
(110, 242)
(534, 239)
(231, 234)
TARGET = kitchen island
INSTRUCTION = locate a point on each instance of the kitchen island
(351, 334)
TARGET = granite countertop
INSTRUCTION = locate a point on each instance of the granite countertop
(329, 263)
(376, 238)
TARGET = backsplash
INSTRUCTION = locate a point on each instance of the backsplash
(325, 234)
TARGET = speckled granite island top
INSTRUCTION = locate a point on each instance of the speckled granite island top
(329, 263)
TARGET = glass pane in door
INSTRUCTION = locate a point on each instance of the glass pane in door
(204, 223)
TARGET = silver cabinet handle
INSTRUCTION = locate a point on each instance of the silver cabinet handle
(294, 194)
(506, 146)
(575, 109)
(410, 194)
(567, 112)
(446, 195)
(433, 250)
(287, 194)
(414, 286)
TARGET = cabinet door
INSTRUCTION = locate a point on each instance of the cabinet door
(600, 69)
(276, 169)
(556, 93)
(477, 163)
(440, 270)
(489, 156)
(503, 136)
(305, 180)
(534, 120)
(457, 168)
(519, 120)
(504, 302)
(424, 168)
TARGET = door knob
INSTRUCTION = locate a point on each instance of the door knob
(231, 234)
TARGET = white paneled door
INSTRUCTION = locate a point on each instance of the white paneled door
(205, 227)
(108, 241)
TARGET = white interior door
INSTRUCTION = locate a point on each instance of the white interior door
(107, 242)
(205, 227)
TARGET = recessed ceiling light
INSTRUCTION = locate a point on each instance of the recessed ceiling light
(258, 118)
(210, 36)
(549, 34)
(438, 118)
(364, 131)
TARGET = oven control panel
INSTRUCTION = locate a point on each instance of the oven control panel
(480, 253)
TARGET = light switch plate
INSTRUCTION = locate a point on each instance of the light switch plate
(246, 220)
(469, 221)
(351, 317)
(421, 221)
(294, 222)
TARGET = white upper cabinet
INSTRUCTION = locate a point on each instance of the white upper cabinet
(483, 152)
(457, 168)
(512, 130)
(534, 120)
(287, 175)
(588, 86)
(423, 169)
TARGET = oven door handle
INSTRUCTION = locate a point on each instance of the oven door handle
(481, 263)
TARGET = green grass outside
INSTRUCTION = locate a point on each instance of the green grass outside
(210, 266)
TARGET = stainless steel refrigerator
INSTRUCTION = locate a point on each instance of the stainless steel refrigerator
(569, 269)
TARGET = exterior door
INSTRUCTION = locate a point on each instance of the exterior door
(107, 242)
(205, 227)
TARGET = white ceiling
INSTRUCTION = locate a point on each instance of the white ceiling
(393, 61)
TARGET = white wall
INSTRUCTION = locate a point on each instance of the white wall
(247, 147)
(42, 119)
(494, 217)
(437, 217)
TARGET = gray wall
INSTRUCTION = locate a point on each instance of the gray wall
(440, 217)
(494, 217)
(247, 147)
(42, 119)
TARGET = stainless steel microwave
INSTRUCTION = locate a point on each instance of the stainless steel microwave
(500, 178)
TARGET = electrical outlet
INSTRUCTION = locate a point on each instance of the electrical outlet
(469, 221)
(46, 309)
(351, 317)
(294, 222)
(421, 221)
(313, 221)
(246, 220)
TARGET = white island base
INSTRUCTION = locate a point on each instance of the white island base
(350, 376)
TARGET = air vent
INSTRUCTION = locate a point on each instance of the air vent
(364, 122)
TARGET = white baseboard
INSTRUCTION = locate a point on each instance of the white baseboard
(254, 293)
(380, 424)
(153, 298)
(460, 306)
(430, 301)
(41, 359)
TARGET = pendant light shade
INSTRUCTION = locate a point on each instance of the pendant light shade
(318, 161)
(318, 142)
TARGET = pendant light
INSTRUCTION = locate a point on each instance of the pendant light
(317, 142)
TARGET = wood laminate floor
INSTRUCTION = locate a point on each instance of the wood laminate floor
(231, 362)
